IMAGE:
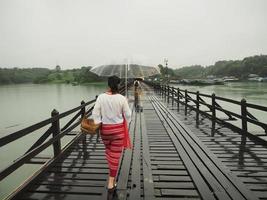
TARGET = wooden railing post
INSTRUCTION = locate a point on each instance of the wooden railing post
(186, 100)
(244, 120)
(55, 132)
(168, 99)
(82, 109)
(165, 91)
(213, 115)
(178, 99)
(172, 95)
(82, 115)
(161, 90)
(244, 130)
(197, 108)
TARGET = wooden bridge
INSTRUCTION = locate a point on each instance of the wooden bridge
(180, 151)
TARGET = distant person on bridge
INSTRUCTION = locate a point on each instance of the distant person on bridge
(112, 110)
(136, 94)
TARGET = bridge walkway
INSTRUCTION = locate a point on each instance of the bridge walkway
(170, 159)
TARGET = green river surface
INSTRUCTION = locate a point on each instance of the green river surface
(26, 104)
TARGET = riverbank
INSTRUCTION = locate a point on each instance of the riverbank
(209, 82)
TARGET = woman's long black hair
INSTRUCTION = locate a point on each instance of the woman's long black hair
(113, 83)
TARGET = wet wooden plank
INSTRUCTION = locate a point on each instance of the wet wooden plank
(58, 196)
(146, 163)
(179, 198)
(67, 189)
(135, 192)
(170, 172)
(179, 192)
(82, 161)
(175, 185)
(73, 182)
(174, 178)
(78, 170)
(82, 165)
(200, 183)
(170, 166)
(80, 176)
(171, 162)
(123, 176)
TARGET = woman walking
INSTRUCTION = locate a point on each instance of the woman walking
(112, 111)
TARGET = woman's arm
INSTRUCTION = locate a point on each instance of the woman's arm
(96, 113)
(126, 110)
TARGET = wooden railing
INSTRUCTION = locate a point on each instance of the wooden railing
(196, 101)
(55, 130)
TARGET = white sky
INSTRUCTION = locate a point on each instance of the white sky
(75, 33)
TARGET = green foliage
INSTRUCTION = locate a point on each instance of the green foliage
(255, 65)
(86, 76)
(17, 75)
(58, 68)
(238, 68)
(166, 73)
(43, 75)
(195, 71)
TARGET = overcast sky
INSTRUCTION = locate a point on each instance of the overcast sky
(75, 33)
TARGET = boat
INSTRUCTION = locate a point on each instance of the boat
(262, 79)
(202, 82)
(230, 79)
(74, 83)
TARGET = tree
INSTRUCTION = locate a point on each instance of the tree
(58, 68)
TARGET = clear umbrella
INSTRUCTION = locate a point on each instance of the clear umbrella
(125, 71)
(134, 71)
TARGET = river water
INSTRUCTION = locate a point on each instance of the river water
(26, 104)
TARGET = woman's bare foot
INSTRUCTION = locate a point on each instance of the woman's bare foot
(111, 182)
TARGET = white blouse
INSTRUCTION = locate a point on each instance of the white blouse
(108, 109)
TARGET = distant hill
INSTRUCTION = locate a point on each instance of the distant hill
(239, 68)
(44, 75)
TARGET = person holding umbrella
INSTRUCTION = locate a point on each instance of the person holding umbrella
(112, 111)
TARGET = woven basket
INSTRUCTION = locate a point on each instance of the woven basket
(88, 126)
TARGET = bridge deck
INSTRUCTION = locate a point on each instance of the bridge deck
(171, 159)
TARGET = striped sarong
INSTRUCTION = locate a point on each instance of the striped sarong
(113, 136)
